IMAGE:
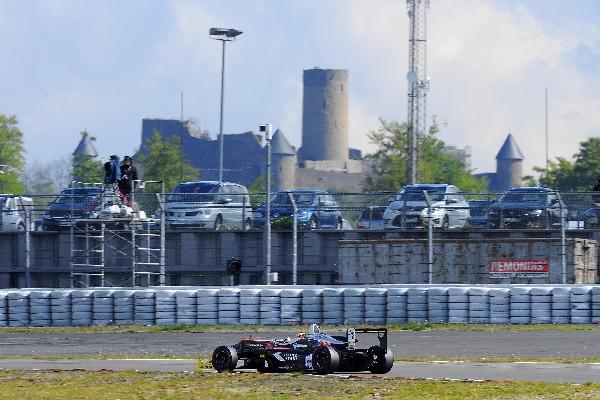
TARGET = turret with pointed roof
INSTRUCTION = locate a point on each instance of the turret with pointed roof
(509, 166)
(509, 150)
(284, 162)
(86, 146)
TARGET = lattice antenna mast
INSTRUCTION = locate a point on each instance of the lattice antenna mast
(418, 82)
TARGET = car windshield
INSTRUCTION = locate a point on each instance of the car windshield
(76, 196)
(202, 192)
(416, 194)
(523, 197)
(301, 199)
(373, 213)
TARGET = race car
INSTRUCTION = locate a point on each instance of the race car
(314, 352)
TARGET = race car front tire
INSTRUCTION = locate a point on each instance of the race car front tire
(325, 360)
(381, 361)
(224, 358)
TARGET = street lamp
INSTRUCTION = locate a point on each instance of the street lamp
(224, 35)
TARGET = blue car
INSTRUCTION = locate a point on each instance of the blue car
(316, 209)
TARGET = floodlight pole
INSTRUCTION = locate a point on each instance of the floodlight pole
(267, 129)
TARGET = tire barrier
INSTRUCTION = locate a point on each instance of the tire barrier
(565, 304)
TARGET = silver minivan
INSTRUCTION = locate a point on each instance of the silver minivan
(409, 208)
(12, 212)
(209, 205)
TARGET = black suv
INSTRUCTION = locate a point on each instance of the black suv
(74, 203)
(525, 207)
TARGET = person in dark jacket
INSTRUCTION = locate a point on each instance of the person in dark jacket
(596, 195)
(128, 176)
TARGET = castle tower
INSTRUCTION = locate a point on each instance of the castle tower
(325, 115)
(509, 166)
(284, 161)
(86, 147)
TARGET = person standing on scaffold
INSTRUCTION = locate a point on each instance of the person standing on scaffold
(128, 177)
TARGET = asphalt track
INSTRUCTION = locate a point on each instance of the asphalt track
(19, 350)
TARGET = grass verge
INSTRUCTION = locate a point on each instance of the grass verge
(135, 385)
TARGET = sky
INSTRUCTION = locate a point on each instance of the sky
(103, 65)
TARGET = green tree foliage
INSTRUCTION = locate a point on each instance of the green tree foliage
(12, 155)
(389, 162)
(85, 168)
(579, 175)
(165, 162)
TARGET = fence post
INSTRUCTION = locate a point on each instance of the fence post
(27, 246)
(162, 277)
(563, 240)
(294, 240)
(429, 239)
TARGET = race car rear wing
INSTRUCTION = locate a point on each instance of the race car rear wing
(381, 335)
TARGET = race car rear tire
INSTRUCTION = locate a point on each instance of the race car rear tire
(224, 358)
(325, 360)
(381, 361)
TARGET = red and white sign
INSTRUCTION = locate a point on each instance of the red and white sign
(518, 268)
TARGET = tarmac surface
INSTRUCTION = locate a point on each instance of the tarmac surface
(20, 350)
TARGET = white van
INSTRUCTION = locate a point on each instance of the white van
(12, 214)
(209, 205)
(409, 209)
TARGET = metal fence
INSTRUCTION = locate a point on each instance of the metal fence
(88, 236)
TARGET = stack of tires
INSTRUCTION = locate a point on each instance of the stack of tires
(396, 305)
(82, 306)
(458, 305)
(596, 305)
(207, 308)
(186, 307)
(103, 311)
(581, 305)
(417, 304)
(291, 306)
(3, 309)
(312, 306)
(60, 307)
(249, 306)
(39, 308)
(354, 305)
(541, 305)
(229, 306)
(333, 312)
(520, 305)
(144, 307)
(499, 306)
(375, 307)
(438, 305)
(165, 306)
(479, 305)
(270, 307)
(561, 305)
(124, 307)
(18, 308)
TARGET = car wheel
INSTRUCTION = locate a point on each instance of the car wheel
(339, 224)
(21, 227)
(224, 358)
(218, 223)
(313, 223)
(247, 224)
(325, 360)
(381, 361)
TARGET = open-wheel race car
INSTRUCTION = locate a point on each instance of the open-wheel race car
(310, 352)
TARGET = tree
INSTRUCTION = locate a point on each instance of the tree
(579, 175)
(87, 168)
(12, 155)
(165, 162)
(389, 162)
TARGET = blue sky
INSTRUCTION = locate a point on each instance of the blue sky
(102, 66)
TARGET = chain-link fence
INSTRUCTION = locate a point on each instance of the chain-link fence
(92, 235)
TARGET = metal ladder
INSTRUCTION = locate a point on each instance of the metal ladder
(87, 252)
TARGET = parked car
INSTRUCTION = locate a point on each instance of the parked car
(74, 203)
(525, 207)
(409, 209)
(12, 212)
(478, 210)
(371, 218)
(316, 209)
(209, 205)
